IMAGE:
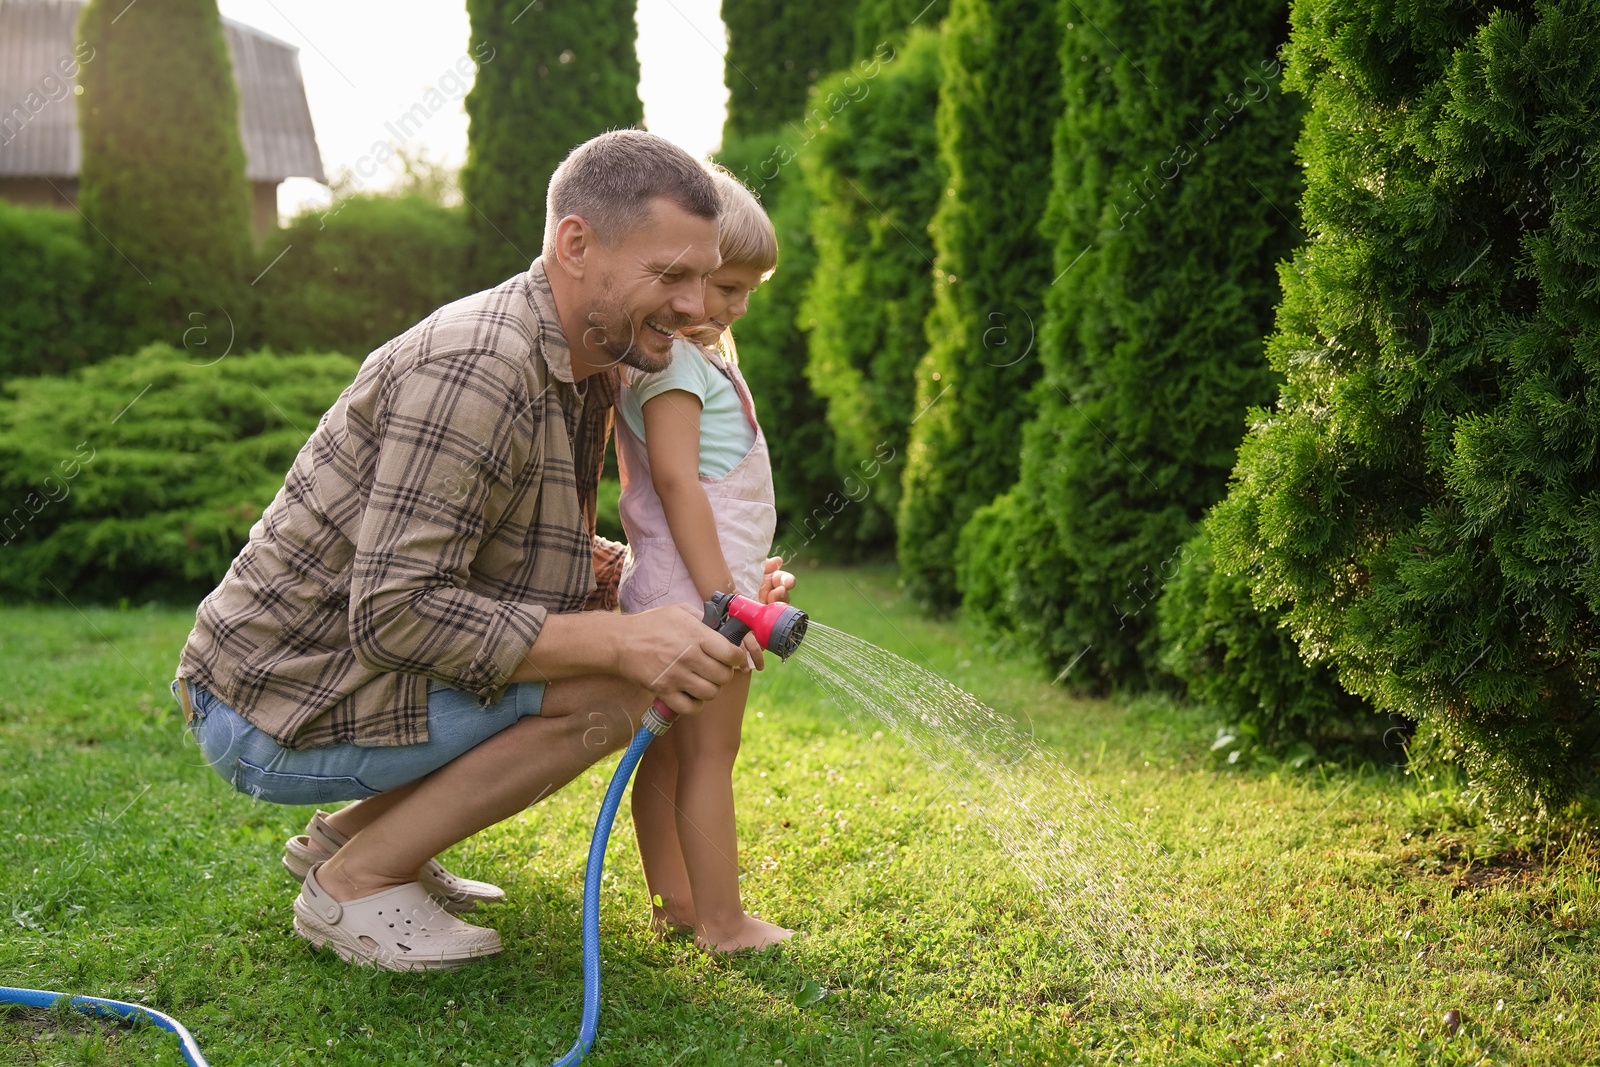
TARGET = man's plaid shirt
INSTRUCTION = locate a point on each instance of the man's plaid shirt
(444, 505)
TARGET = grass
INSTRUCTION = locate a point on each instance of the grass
(1362, 903)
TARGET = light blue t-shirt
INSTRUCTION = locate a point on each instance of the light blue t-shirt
(726, 436)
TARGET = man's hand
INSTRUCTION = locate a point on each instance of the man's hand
(676, 656)
(775, 583)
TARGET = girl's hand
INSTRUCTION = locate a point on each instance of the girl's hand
(752, 646)
(775, 583)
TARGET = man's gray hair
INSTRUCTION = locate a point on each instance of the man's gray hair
(610, 180)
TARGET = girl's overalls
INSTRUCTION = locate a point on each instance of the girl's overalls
(741, 502)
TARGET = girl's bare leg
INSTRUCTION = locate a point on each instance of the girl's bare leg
(655, 826)
(707, 747)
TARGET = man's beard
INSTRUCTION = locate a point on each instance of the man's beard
(613, 333)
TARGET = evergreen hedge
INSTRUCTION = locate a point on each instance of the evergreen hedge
(1174, 192)
(140, 476)
(551, 75)
(162, 180)
(813, 519)
(875, 178)
(998, 99)
(777, 50)
(888, 21)
(362, 271)
(1423, 500)
(45, 273)
(1241, 662)
(776, 54)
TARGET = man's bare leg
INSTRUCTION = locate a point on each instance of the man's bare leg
(580, 720)
(353, 818)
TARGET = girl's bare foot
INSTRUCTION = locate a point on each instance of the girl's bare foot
(748, 932)
(665, 926)
(664, 923)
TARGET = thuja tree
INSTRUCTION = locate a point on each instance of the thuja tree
(1173, 198)
(551, 75)
(880, 22)
(162, 180)
(813, 518)
(874, 175)
(1423, 500)
(1239, 661)
(777, 50)
(998, 100)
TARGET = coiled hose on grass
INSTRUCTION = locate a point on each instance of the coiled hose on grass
(43, 998)
(588, 1025)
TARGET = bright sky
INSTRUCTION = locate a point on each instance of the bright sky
(366, 62)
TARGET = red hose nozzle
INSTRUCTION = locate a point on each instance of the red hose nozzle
(778, 627)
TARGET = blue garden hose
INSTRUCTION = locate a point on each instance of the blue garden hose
(591, 894)
(40, 998)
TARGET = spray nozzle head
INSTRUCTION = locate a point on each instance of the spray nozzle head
(778, 627)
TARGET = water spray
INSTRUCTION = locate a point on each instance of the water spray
(779, 628)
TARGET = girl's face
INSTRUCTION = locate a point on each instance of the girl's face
(728, 293)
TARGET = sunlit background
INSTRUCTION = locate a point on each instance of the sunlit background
(366, 63)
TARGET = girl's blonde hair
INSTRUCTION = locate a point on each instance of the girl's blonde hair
(747, 237)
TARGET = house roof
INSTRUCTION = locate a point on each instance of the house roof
(37, 36)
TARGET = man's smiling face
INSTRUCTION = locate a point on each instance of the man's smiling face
(648, 285)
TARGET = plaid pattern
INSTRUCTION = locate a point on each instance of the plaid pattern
(444, 504)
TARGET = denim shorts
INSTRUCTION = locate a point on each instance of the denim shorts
(256, 765)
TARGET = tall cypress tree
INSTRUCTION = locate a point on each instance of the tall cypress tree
(880, 22)
(772, 356)
(1173, 200)
(875, 178)
(776, 51)
(1423, 500)
(551, 75)
(998, 99)
(162, 182)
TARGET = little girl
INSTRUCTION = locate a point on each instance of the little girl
(697, 506)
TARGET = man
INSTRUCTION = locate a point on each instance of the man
(406, 626)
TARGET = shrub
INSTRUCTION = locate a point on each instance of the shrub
(45, 274)
(551, 75)
(879, 21)
(998, 98)
(1008, 577)
(1423, 500)
(141, 476)
(874, 176)
(162, 179)
(361, 272)
(772, 356)
(1241, 662)
(1173, 198)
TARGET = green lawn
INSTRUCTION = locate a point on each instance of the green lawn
(1357, 904)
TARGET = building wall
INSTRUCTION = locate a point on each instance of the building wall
(63, 193)
(264, 207)
(40, 192)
